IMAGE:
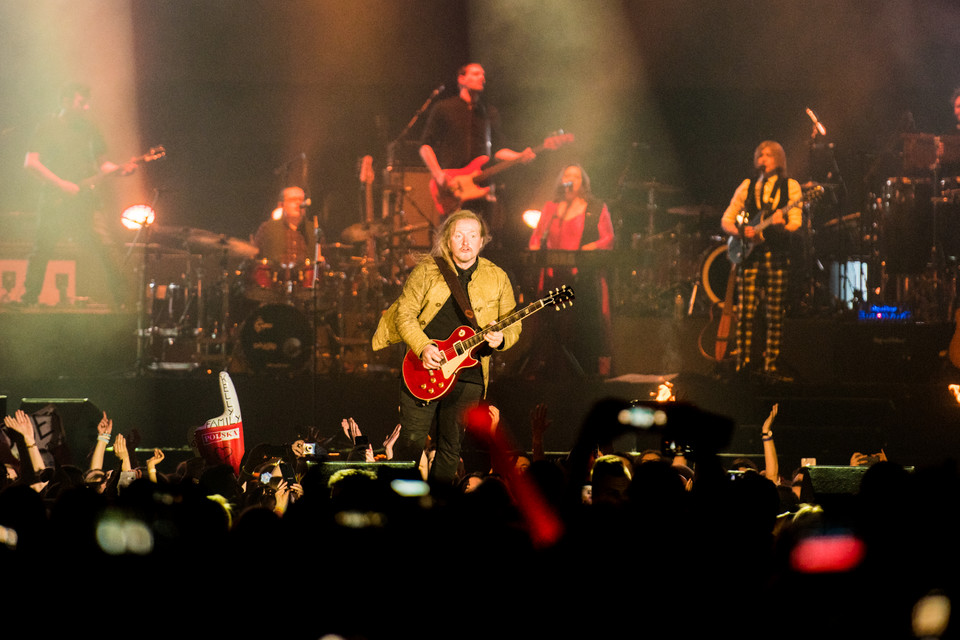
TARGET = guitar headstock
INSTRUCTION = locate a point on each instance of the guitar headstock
(557, 139)
(813, 193)
(366, 170)
(561, 297)
(155, 153)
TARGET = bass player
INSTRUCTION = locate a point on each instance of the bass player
(461, 128)
(768, 264)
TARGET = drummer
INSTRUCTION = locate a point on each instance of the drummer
(281, 240)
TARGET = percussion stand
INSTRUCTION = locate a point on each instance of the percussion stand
(936, 267)
(143, 303)
(218, 335)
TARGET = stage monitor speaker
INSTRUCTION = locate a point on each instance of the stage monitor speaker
(408, 203)
(66, 427)
(400, 470)
(834, 487)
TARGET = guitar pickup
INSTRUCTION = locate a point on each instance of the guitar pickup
(458, 348)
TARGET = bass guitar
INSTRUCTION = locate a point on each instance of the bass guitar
(85, 198)
(457, 350)
(739, 248)
(464, 184)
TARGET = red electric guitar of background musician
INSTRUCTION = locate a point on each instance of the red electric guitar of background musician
(464, 184)
(457, 350)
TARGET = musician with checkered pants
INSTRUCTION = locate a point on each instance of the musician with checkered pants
(766, 265)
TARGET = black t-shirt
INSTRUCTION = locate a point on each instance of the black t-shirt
(71, 148)
(457, 131)
(449, 317)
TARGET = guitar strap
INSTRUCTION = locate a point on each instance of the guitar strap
(457, 290)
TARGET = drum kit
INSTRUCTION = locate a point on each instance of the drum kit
(915, 223)
(670, 255)
(210, 302)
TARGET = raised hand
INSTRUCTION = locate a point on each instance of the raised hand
(351, 429)
(105, 426)
(120, 450)
(157, 458)
(390, 441)
(22, 424)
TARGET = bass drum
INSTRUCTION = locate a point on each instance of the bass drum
(715, 272)
(276, 337)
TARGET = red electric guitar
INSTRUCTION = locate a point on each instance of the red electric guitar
(464, 184)
(457, 350)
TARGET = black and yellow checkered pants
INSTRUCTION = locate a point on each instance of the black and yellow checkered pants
(767, 271)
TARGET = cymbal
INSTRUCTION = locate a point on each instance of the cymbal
(410, 228)
(694, 210)
(203, 241)
(156, 247)
(362, 231)
(652, 185)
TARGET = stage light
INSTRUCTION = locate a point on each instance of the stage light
(277, 213)
(665, 392)
(531, 217)
(137, 216)
(955, 390)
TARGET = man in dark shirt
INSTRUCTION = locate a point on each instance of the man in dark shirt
(66, 150)
(282, 241)
(462, 128)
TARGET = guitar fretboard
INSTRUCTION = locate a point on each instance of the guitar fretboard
(466, 345)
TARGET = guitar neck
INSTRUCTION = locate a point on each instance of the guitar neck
(507, 321)
(766, 222)
(503, 165)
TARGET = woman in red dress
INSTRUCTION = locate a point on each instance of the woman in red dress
(576, 221)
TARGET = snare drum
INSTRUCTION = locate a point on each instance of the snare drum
(260, 282)
(296, 280)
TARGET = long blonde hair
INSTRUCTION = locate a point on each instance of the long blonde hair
(778, 154)
(441, 240)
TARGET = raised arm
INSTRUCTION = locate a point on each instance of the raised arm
(152, 465)
(104, 429)
(771, 465)
(22, 424)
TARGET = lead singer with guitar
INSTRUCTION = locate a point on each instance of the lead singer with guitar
(767, 261)
(427, 312)
(461, 128)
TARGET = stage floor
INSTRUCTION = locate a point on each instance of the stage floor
(858, 387)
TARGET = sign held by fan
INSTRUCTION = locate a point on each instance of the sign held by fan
(220, 439)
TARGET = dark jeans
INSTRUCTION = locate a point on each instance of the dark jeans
(417, 420)
(56, 223)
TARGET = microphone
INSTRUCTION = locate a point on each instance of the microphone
(306, 203)
(816, 123)
(566, 185)
(437, 91)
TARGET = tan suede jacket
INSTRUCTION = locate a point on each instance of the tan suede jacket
(425, 292)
